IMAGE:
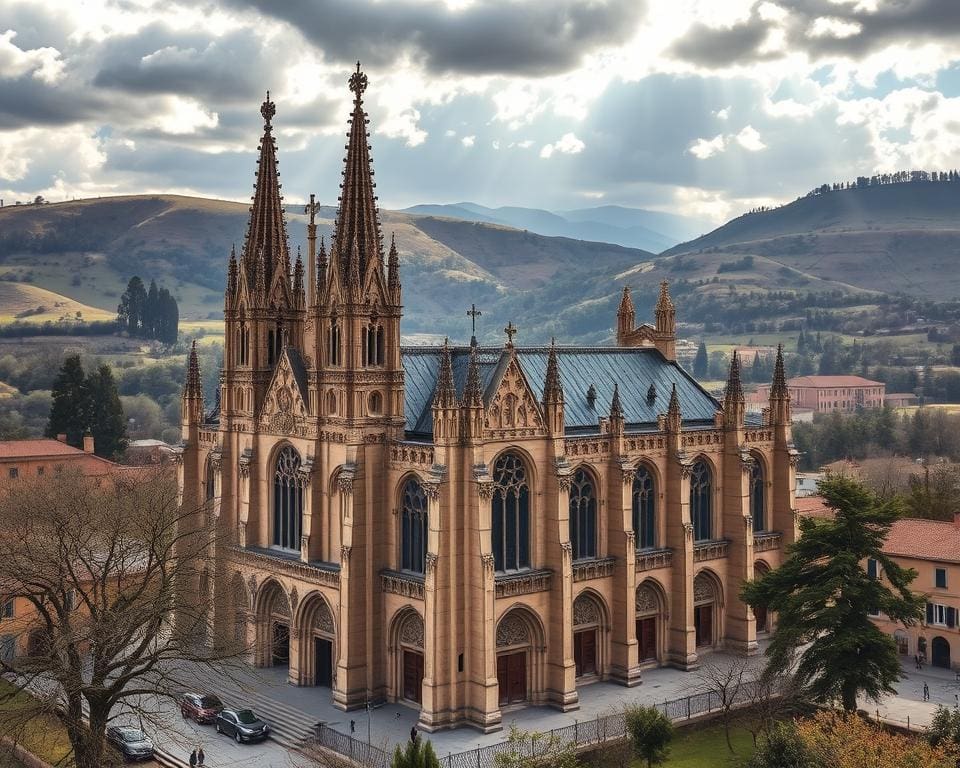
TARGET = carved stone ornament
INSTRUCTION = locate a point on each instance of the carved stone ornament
(242, 534)
(306, 470)
(688, 531)
(513, 407)
(304, 543)
(411, 631)
(284, 404)
(294, 599)
(748, 523)
(345, 553)
(432, 490)
(746, 461)
(216, 461)
(324, 621)
(565, 481)
(252, 581)
(488, 562)
(647, 601)
(512, 630)
(245, 461)
(585, 611)
(485, 489)
(629, 475)
(431, 559)
(177, 455)
(631, 537)
(686, 469)
(345, 482)
(703, 591)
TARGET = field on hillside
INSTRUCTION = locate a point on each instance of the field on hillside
(24, 302)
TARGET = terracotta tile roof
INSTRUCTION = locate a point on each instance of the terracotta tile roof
(924, 540)
(22, 449)
(832, 381)
(813, 506)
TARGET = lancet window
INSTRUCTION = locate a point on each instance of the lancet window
(333, 343)
(413, 524)
(644, 509)
(583, 516)
(701, 501)
(511, 514)
(288, 488)
(758, 506)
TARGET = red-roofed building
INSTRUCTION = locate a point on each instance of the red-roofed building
(824, 394)
(27, 458)
(932, 549)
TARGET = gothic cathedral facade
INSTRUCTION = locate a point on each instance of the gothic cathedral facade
(465, 528)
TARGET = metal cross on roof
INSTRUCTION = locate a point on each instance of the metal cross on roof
(358, 82)
(311, 208)
(511, 331)
(473, 314)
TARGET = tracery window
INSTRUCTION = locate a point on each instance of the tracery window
(333, 343)
(243, 344)
(757, 496)
(288, 486)
(511, 514)
(413, 524)
(373, 345)
(644, 509)
(583, 516)
(701, 501)
(275, 341)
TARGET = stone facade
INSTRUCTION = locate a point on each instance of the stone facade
(464, 528)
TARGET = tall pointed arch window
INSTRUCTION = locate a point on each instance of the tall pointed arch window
(333, 343)
(373, 344)
(288, 486)
(413, 527)
(583, 515)
(511, 514)
(243, 344)
(701, 501)
(644, 509)
(758, 501)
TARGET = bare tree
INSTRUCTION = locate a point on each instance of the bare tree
(725, 679)
(98, 568)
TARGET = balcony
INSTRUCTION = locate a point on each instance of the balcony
(710, 550)
(402, 583)
(767, 540)
(650, 559)
(594, 568)
(523, 583)
(289, 564)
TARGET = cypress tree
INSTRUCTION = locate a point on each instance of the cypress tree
(701, 362)
(151, 312)
(106, 420)
(824, 596)
(69, 411)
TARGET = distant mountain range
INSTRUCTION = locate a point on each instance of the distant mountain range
(512, 262)
(631, 227)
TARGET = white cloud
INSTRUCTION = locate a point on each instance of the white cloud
(828, 26)
(749, 139)
(704, 148)
(450, 133)
(468, 141)
(722, 114)
(44, 64)
(568, 144)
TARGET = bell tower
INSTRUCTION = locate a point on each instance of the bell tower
(264, 306)
(356, 315)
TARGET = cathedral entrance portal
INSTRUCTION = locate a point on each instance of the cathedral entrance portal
(316, 633)
(412, 676)
(272, 626)
(512, 677)
(407, 656)
(323, 662)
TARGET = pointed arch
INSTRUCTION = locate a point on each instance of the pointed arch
(652, 621)
(287, 498)
(707, 608)
(272, 616)
(758, 492)
(510, 511)
(317, 630)
(520, 641)
(590, 634)
(407, 640)
(584, 503)
(702, 498)
(414, 523)
(644, 503)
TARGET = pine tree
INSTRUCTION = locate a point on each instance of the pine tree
(823, 597)
(106, 421)
(701, 362)
(130, 311)
(151, 312)
(168, 324)
(418, 754)
(69, 411)
(801, 343)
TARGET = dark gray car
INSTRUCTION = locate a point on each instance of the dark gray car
(242, 725)
(131, 742)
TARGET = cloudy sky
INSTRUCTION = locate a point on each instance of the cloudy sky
(699, 107)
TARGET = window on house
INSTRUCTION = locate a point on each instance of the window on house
(941, 578)
(14, 473)
(872, 568)
(941, 615)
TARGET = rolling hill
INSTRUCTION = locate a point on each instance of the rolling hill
(86, 251)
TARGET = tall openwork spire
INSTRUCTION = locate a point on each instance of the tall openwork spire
(266, 230)
(393, 271)
(357, 228)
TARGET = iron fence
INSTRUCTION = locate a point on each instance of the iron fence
(583, 735)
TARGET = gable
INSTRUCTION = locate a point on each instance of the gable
(285, 403)
(512, 409)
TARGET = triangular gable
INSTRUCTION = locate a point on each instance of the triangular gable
(286, 402)
(373, 284)
(511, 406)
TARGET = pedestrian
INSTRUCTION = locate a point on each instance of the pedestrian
(413, 734)
(917, 660)
(193, 759)
(956, 701)
(926, 692)
(200, 756)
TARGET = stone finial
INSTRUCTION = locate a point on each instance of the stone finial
(552, 386)
(473, 393)
(616, 409)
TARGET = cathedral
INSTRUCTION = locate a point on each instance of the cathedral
(465, 528)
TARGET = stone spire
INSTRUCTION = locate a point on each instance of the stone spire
(266, 231)
(299, 297)
(357, 229)
(446, 394)
(674, 417)
(321, 269)
(665, 322)
(552, 386)
(473, 393)
(232, 276)
(393, 271)
(779, 386)
(193, 387)
(626, 317)
(733, 401)
(616, 409)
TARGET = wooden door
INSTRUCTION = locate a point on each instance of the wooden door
(412, 675)
(512, 677)
(647, 638)
(703, 623)
(585, 652)
(323, 662)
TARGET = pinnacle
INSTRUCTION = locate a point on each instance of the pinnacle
(446, 394)
(779, 386)
(473, 394)
(664, 302)
(734, 385)
(616, 409)
(552, 386)
(626, 300)
(674, 407)
(193, 387)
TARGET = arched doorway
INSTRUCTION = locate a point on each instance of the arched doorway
(706, 614)
(273, 626)
(588, 625)
(760, 616)
(408, 633)
(317, 642)
(519, 640)
(940, 652)
(651, 620)
(903, 642)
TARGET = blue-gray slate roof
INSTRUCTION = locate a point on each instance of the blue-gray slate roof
(633, 369)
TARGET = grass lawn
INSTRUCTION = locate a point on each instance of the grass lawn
(707, 748)
(43, 735)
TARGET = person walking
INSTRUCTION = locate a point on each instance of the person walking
(926, 692)
(413, 734)
(200, 756)
(193, 759)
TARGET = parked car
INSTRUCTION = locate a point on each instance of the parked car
(132, 743)
(203, 708)
(242, 724)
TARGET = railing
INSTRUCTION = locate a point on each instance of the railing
(648, 559)
(582, 735)
(595, 568)
(710, 550)
(766, 540)
(526, 583)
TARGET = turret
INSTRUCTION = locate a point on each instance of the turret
(626, 317)
(665, 322)
(472, 404)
